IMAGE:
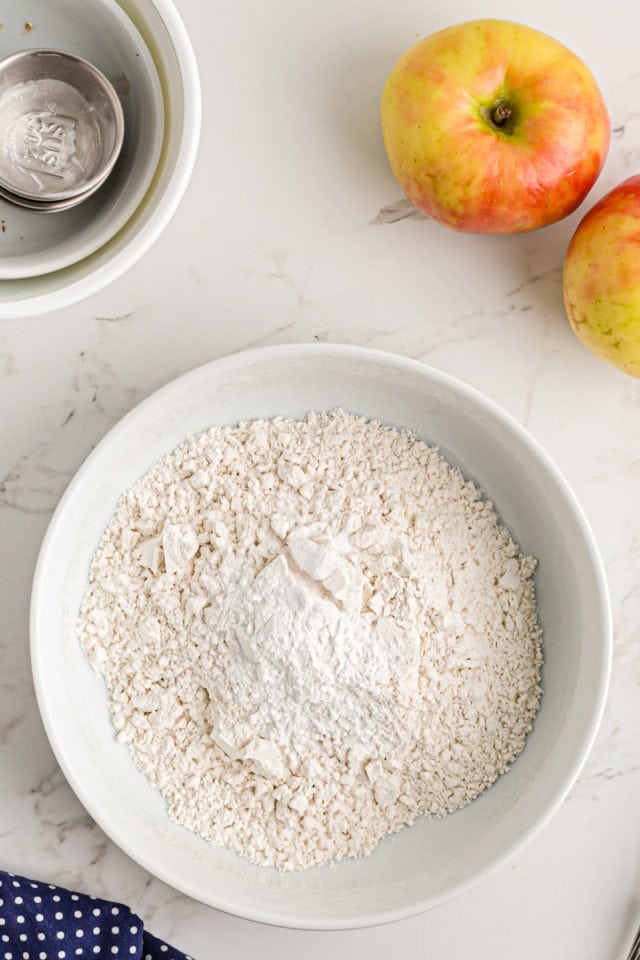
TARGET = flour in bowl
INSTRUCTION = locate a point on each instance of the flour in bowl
(312, 632)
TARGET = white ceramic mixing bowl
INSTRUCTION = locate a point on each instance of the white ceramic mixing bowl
(50, 261)
(434, 859)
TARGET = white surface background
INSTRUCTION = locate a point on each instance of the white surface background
(278, 239)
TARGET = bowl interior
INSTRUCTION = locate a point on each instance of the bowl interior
(432, 860)
(99, 31)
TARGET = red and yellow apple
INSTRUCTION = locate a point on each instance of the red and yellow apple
(601, 278)
(493, 127)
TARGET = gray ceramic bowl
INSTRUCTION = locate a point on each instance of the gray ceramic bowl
(142, 47)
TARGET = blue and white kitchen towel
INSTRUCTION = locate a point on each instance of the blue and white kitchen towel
(39, 921)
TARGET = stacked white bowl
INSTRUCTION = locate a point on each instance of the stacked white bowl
(141, 46)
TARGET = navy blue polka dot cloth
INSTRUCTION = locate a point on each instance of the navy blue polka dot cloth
(39, 921)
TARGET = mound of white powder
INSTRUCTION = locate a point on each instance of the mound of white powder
(312, 632)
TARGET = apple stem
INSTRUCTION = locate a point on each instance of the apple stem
(501, 113)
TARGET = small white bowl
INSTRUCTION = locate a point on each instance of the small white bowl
(100, 32)
(52, 261)
(434, 859)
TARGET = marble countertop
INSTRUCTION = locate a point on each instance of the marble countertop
(294, 229)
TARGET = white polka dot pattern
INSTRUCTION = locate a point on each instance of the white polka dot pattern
(40, 921)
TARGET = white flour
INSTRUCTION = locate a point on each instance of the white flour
(312, 632)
